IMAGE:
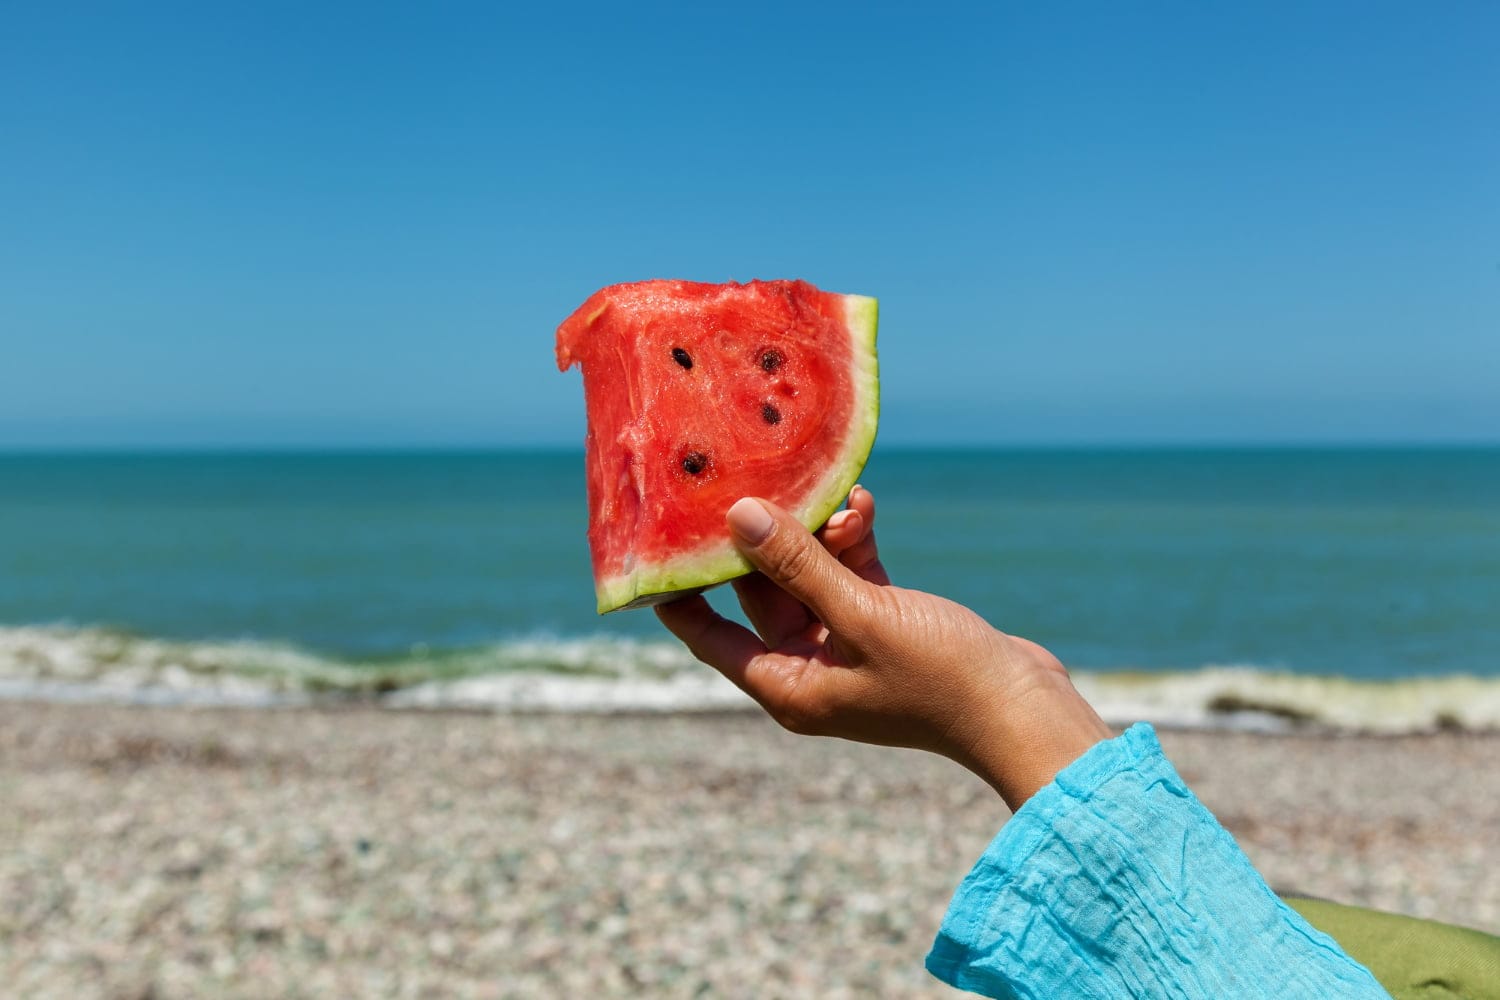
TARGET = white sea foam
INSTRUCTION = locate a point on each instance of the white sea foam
(1218, 696)
(119, 660)
(614, 674)
(688, 692)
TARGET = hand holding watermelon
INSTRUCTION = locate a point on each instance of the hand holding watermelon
(699, 394)
(838, 651)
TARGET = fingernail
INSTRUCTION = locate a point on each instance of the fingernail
(839, 519)
(751, 521)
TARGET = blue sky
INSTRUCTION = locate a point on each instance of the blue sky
(357, 224)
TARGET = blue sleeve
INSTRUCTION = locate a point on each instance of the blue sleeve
(1115, 881)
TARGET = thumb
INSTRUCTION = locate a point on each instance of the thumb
(781, 548)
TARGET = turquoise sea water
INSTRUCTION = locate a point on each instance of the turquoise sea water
(1369, 564)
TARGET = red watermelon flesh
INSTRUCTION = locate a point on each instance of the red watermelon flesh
(699, 394)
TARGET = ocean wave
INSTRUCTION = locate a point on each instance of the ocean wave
(597, 673)
(614, 674)
(1251, 697)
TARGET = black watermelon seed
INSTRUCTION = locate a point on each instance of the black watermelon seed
(771, 360)
(694, 462)
(770, 414)
(682, 357)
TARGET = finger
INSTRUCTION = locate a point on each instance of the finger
(774, 613)
(727, 646)
(864, 559)
(780, 684)
(862, 556)
(863, 500)
(804, 695)
(778, 546)
(842, 530)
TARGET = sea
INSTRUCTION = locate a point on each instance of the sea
(1251, 587)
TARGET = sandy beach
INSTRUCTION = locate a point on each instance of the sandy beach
(170, 853)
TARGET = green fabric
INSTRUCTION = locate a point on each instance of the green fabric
(1413, 959)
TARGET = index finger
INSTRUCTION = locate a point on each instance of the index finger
(727, 646)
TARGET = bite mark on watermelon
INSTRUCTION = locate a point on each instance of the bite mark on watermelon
(699, 394)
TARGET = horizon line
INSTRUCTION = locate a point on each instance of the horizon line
(330, 448)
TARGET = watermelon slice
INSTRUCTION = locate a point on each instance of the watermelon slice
(699, 394)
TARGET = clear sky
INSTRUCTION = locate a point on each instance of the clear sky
(360, 224)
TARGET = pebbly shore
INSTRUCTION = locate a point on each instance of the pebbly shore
(172, 853)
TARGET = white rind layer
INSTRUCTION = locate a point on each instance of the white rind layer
(719, 561)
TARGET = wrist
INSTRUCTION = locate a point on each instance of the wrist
(1031, 725)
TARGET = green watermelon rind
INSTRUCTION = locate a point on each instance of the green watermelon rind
(720, 561)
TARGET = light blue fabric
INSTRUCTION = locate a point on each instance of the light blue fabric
(1115, 881)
